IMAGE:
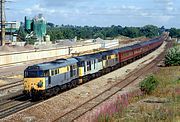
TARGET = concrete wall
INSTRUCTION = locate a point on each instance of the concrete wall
(18, 43)
(19, 57)
(80, 48)
(31, 55)
(111, 43)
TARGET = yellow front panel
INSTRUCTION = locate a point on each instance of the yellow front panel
(30, 83)
(81, 71)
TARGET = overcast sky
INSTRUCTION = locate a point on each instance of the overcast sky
(99, 12)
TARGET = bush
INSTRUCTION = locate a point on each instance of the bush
(172, 57)
(149, 84)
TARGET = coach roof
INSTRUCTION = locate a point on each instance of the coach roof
(110, 52)
(124, 49)
(89, 57)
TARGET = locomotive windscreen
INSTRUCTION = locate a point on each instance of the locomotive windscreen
(33, 74)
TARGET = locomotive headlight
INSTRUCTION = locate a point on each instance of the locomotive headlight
(40, 84)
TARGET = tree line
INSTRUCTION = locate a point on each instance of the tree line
(87, 32)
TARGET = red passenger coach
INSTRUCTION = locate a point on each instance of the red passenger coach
(133, 52)
(137, 50)
(125, 54)
(154, 44)
(145, 47)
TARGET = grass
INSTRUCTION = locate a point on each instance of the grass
(164, 105)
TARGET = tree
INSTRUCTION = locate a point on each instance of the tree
(87, 32)
(100, 35)
(174, 32)
(49, 24)
(150, 31)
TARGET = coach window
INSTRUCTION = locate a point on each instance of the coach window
(88, 65)
(82, 64)
(72, 70)
(56, 72)
(94, 63)
(52, 73)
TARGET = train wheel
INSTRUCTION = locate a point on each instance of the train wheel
(56, 90)
(63, 87)
(69, 85)
(74, 83)
(35, 97)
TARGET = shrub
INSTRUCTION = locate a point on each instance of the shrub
(172, 57)
(149, 84)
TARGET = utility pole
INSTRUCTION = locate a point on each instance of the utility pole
(2, 41)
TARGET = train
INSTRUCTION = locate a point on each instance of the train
(49, 78)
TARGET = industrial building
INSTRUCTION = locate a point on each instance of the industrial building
(11, 31)
(36, 27)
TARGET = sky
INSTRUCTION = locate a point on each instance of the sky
(99, 12)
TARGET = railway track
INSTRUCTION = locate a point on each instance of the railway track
(20, 102)
(87, 106)
(11, 85)
(15, 104)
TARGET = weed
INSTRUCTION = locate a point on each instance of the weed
(172, 57)
(168, 111)
(149, 84)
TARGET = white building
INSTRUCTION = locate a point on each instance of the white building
(11, 29)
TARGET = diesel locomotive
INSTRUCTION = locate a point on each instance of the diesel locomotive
(51, 77)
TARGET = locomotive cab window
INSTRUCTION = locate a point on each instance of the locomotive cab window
(33, 74)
